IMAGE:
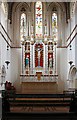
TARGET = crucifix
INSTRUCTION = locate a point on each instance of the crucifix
(38, 57)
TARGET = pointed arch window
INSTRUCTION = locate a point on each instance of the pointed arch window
(38, 19)
(54, 26)
(22, 26)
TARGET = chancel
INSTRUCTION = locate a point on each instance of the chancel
(40, 38)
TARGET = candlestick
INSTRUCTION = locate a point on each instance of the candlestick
(32, 29)
(28, 28)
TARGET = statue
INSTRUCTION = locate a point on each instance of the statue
(3, 71)
(50, 62)
(3, 75)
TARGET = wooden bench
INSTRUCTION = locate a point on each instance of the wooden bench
(41, 96)
(40, 100)
(68, 91)
(40, 116)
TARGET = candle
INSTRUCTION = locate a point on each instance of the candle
(28, 28)
(45, 29)
(32, 29)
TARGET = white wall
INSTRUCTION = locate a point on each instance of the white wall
(71, 55)
(62, 68)
(13, 55)
(64, 56)
(76, 44)
(3, 44)
(16, 67)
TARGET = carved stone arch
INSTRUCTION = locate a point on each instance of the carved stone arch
(75, 6)
(72, 71)
(14, 5)
(19, 5)
(61, 17)
(57, 5)
(16, 15)
(72, 76)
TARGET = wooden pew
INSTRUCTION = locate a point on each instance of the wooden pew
(41, 103)
(40, 116)
(41, 96)
(40, 100)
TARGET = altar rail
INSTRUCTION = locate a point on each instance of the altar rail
(33, 78)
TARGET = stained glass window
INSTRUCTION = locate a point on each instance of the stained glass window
(38, 18)
(22, 26)
(54, 27)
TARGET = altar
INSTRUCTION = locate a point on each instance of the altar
(46, 85)
(39, 87)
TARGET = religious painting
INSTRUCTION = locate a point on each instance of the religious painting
(50, 55)
(27, 60)
(39, 55)
(27, 55)
(50, 60)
